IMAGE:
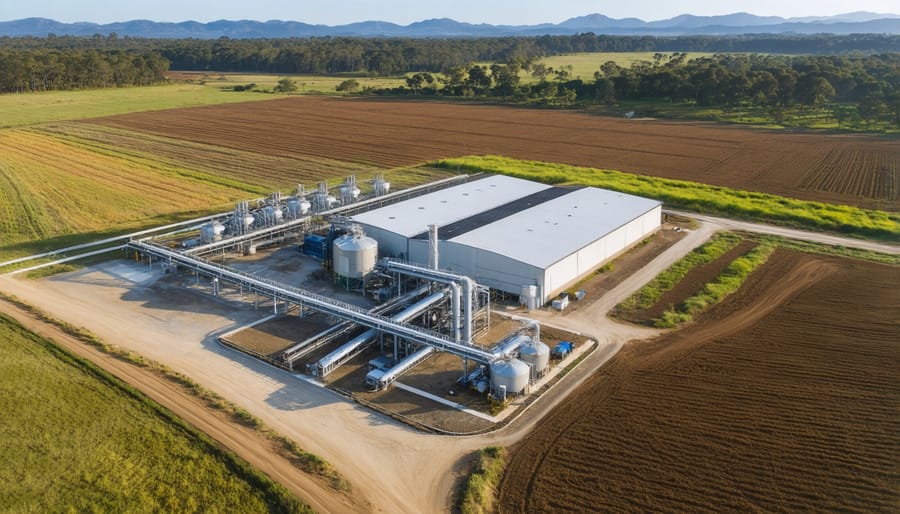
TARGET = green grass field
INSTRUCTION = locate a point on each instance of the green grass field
(697, 197)
(585, 64)
(51, 187)
(306, 84)
(31, 108)
(75, 439)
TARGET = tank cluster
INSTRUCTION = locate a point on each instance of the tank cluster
(521, 359)
(278, 208)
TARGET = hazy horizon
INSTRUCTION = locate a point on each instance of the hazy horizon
(404, 12)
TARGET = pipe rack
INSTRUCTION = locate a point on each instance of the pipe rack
(315, 301)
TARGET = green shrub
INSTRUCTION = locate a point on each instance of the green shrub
(697, 197)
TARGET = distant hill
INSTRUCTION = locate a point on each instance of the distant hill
(685, 24)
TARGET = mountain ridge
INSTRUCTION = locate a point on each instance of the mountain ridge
(685, 24)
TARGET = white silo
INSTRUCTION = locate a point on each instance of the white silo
(512, 374)
(355, 256)
(537, 355)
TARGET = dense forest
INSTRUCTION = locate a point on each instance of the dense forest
(857, 79)
(51, 69)
(852, 87)
(393, 56)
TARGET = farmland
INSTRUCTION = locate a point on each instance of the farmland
(391, 134)
(51, 187)
(782, 397)
(76, 439)
(28, 109)
(586, 63)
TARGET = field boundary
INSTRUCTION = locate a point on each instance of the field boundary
(697, 197)
(302, 460)
(271, 490)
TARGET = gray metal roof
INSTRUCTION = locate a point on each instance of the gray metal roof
(412, 217)
(543, 235)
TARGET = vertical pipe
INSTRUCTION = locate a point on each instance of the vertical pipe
(468, 290)
(433, 256)
(455, 309)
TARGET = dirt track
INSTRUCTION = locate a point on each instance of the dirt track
(855, 170)
(243, 441)
(783, 397)
(392, 467)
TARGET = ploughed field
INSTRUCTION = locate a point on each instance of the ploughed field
(854, 170)
(786, 396)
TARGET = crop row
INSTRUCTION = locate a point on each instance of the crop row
(714, 292)
(846, 170)
(648, 295)
(51, 187)
(697, 197)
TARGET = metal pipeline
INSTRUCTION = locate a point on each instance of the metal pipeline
(447, 278)
(296, 351)
(327, 363)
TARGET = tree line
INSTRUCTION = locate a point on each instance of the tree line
(394, 56)
(31, 70)
(852, 88)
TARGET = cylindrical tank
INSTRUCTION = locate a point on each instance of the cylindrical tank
(349, 193)
(511, 373)
(529, 297)
(211, 232)
(248, 222)
(297, 207)
(355, 255)
(537, 354)
(381, 186)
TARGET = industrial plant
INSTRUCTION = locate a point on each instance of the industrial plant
(387, 280)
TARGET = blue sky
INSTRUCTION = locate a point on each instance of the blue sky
(334, 12)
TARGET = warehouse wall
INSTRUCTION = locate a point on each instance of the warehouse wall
(573, 268)
(487, 268)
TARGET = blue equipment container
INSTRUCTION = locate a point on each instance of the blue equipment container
(315, 245)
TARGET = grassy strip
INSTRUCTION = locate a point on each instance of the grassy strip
(729, 281)
(697, 197)
(821, 249)
(144, 417)
(480, 489)
(648, 295)
(304, 460)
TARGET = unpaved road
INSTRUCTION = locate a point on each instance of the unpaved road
(391, 466)
(249, 444)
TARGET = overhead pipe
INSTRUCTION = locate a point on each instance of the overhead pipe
(403, 366)
(443, 277)
(325, 364)
(318, 302)
(301, 348)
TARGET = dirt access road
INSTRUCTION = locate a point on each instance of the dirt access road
(391, 466)
(247, 443)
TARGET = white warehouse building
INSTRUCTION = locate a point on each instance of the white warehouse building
(508, 233)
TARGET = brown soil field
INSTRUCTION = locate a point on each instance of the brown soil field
(855, 170)
(786, 396)
(690, 285)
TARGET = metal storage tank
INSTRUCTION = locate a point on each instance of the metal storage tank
(511, 373)
(355, 255)
(211, 232)
(381, 186)
(297, 207)
(537, 354)
(529, 297)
